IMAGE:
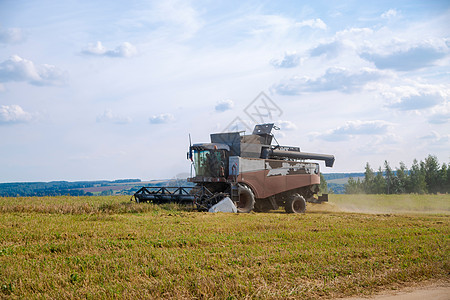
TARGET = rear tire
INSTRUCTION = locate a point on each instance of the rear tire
(295, 204)
(246, 200)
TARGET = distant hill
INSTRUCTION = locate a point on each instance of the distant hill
(337, 181)
(333, 176)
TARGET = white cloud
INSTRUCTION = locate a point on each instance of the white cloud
(267, 25)
(174, 19)
(383, 48)
(124, 50)
(224, 105)
(13, 114)
(276, 27)
(286, 125)
(161, 119)
(413, 58)
(439, 118)
(179, 13)
(410, 95)
(331, 49)
(389, 14)
(289, 60)
(354, 33)
(354, 128)
(109, 117)
(339, 79)
(50, 75)
(440, 115)
(19, 69)
(346, 41)
(11, 35)
(313, 23)
(418, 101)
(380, 144)
(95, 49)
(436, 138)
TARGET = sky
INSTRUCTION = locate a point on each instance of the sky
(93, 90)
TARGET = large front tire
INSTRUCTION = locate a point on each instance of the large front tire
(246, 200)
(295, 204)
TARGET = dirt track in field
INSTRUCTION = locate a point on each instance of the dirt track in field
(435, 291)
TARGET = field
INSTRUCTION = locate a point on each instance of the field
(107, 247)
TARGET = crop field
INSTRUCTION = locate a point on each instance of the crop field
(107, 247)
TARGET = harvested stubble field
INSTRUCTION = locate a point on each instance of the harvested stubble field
(107, 247)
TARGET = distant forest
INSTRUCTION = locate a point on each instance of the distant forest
(423, 177)
(58, 188)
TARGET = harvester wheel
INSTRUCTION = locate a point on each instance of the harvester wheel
(246, 200)
(295, 204)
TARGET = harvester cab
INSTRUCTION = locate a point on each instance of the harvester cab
(210, 160)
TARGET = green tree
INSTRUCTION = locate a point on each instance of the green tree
(444, 186)
(379, 183)
(353, 186)
(107, 193)
(431, 168)
(389, 177)
(369, 178)
(403, 180)
(323, 187)
(416, 180)
(447, 184)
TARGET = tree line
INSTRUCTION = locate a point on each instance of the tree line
(55, 188)
(423, 177)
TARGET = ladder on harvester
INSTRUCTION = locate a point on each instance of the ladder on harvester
(235, 192)
(234, 184)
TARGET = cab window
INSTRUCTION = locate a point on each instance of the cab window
(210, 163)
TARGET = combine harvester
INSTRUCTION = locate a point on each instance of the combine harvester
(249, 170)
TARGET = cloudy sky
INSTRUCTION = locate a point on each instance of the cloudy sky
(111, 89)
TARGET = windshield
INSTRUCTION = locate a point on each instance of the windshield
(210, 163)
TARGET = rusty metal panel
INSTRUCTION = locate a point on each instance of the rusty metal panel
(269, 177)
(283, 168)
(256, 181)
(249, 164)
(274, 184)
(315, 179)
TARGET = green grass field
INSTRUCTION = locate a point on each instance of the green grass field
(107, 247)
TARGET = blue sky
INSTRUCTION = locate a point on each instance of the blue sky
(102, 90)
